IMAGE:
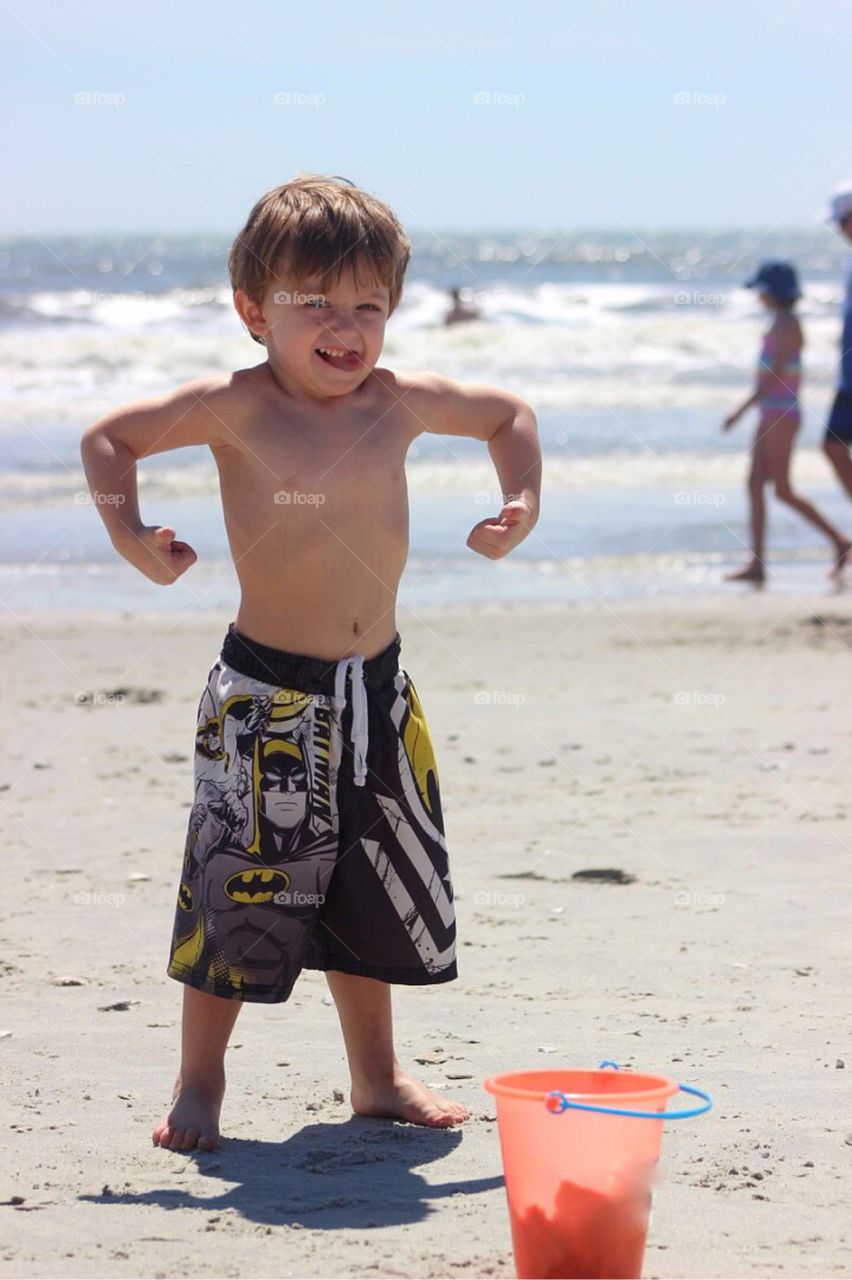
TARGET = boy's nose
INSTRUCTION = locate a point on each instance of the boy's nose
(343, 331)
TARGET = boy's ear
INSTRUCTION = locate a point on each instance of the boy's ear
(250, 314)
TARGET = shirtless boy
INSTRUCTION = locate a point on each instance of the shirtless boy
(316, 837)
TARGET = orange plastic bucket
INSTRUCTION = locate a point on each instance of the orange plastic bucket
(579, 1183)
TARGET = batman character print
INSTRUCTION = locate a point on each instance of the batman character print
(316, 837)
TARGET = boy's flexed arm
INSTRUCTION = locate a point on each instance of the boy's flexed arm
(110, 448)
(507, 424)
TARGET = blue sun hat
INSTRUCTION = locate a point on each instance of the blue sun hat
(777, 278)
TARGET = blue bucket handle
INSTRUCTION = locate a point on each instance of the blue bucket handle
(557, 1102)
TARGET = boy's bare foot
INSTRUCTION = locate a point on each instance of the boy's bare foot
(404, 1098)
(841, 561)
(193, 1120)
(751, 573)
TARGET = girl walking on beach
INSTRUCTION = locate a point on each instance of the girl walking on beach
(776, 394)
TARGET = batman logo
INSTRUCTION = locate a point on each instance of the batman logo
(185, 901)
(256, 886)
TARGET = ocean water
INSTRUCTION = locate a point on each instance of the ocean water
(630, 348)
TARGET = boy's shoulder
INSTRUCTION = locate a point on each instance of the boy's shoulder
(215, 390)
(426, 397)
(440, 404)
(234, 394)
(419, 386)
(222, 387)
(424, 380)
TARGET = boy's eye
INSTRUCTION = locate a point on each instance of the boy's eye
(317, 303)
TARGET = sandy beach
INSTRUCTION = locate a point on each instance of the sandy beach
(700, 746)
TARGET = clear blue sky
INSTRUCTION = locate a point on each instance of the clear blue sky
(583, 127)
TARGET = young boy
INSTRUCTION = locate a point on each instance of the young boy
(316, 839)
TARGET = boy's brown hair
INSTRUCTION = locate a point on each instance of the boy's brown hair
(318, 226)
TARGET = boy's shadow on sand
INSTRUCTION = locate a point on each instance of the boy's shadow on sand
(354, 1174)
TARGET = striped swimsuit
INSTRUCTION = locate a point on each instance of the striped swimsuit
(783, 399)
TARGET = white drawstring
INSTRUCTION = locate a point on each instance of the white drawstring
(359, 709)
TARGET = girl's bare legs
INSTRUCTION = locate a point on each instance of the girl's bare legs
(193, 1120)
(380, 1087)
(771, 453)
(780, 445)
(759, 474)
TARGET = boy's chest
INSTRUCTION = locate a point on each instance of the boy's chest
(308, 466)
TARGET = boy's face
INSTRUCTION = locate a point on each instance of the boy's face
(326, 342)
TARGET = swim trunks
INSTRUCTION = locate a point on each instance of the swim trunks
(316, 837)
(840, 419)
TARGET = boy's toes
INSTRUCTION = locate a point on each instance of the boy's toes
(193, 1121)
(190, 1140)
(455, 1113)
(439, 1112)
(162, 1135)
(184, 1139)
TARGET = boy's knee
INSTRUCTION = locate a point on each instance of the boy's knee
(784, 493)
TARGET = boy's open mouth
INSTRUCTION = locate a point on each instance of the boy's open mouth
(340, 358)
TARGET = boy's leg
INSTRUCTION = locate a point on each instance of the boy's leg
(380, 1087)
(193, 1120)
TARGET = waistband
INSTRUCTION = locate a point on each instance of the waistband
(298, 671)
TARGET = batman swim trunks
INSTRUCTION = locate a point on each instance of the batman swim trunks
(316, 838)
